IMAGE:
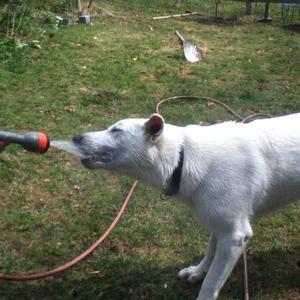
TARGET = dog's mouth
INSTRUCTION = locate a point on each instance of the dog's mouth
(96, 161)
(90, 158)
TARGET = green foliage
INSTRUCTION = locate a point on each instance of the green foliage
(14, 17)
(19, 18)
(53, 5)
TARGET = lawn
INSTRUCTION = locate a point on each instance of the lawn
(84, 77)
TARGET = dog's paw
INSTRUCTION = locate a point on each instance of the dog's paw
(192, 274)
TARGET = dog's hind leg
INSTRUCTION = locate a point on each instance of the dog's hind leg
(228, 250)
(197, 273)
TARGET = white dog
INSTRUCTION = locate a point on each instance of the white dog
(229, 174)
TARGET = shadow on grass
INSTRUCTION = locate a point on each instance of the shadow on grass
(275, 270)
(211, 20)
(219, 21)
(293, 27)
(273, 274)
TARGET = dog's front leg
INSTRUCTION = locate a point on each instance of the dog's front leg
(197, 273)
(228, 250)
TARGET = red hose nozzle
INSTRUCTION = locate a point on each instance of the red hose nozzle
(37, 142)
(31, 141)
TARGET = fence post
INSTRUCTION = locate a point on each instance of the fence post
(248, 7)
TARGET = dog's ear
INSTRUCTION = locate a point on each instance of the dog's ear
(154, 126)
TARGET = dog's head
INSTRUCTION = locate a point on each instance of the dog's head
(122, 145)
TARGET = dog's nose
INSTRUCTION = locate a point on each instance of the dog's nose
(77, 139)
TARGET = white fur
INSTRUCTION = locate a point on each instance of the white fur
(232, 173)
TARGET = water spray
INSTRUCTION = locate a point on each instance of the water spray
(67, 146)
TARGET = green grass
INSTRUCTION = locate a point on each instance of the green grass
(86, 77)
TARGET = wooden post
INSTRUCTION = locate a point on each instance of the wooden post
(78, 5)
(217, 2)
(179, 3)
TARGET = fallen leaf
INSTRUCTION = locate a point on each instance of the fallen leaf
(95, 273)
(70, 109)
(84, 91)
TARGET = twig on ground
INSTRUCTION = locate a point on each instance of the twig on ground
(177, 15)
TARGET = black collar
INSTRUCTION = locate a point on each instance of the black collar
(173, 183)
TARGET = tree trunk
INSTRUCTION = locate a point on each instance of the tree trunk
(90, 3)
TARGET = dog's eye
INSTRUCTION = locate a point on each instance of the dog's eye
(116, 129)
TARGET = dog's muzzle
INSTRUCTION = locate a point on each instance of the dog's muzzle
(94, 158)
(93, 162)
